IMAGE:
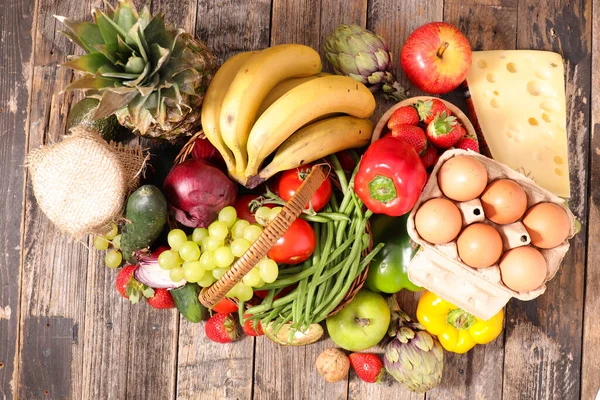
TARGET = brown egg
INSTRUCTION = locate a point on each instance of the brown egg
(504, 201)
(523, 269)
(438, 221)
(548, 225)
(479, 245)
(462, 178)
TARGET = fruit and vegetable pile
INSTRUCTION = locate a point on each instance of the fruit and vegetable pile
(406, 204)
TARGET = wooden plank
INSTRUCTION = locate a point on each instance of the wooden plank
(207, 369)
(54, 267)
(590, 378)
(478, 374)
(543, 346)
(47, 347)
(232, 27)
(16, 20)
(290, 371)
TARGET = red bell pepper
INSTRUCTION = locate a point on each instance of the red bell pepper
(391, 177)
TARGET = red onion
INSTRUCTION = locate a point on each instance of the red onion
(196, 191)
(204, 150)
(151, 274)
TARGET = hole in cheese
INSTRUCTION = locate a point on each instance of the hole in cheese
(547, 135)
(481, 63)
(558, 160)
(496, 93)
(558, 172)
(533, 122)
(495, 103)
(543, 73)
(546, 117)
(550, 105)
(511, 67)
(491, 78)
(535, 88)
(538, 156)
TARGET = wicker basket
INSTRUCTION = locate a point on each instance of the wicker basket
(272, 232)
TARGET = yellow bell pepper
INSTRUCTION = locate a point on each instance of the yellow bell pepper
(457, 330)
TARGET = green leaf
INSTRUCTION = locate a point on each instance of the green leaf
(135, 65)
(107, 21)
(156, 32)
(88, 34)
(108, 31)
(120, 75)
(126, 15)
(158, 56)
(147, 291)
(134, 40)
(108, 50)
(90, 82)
(114, 99)
(124, 51)
(145, 17)
(89, 63)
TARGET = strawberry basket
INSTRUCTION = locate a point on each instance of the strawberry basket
(331, 288)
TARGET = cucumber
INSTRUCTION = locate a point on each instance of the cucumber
(186, 300)
(146, 214)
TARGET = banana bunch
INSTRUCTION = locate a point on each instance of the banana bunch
(277, 101)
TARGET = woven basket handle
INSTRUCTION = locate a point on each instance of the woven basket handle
(276, 228)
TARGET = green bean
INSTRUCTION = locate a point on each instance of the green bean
(241, 306)
(315, 218)
(334, 216)
(279, 302)
(337, 167)
(316, 256)
(313, 284)
(269, 298)
(266, 320)
(290, 270)
(282, 323)
(347, 269)
(299, 303)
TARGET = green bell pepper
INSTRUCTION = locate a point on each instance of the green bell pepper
(388, 270)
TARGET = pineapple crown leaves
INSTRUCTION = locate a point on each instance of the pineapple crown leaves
(444, 124)
(133, 63)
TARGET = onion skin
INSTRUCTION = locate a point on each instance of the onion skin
(196, 191)
(204, 150)
(148, 272)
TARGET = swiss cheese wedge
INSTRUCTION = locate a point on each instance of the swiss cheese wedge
(519, 99)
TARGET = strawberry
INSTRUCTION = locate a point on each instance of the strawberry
(430, 156)
(161, 299)
(248, 327)
(461, 128)
(221, 328)
(368, 366)
(406, 115)
(468, 142)
(129, 287)
(429, 109)
(443, 131)
(413, 135)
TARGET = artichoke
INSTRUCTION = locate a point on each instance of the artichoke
(364, 56)
(413, 357)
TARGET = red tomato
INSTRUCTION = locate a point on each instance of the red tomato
(296, 245)
(225, 306)
(242, 207)
(290, 181)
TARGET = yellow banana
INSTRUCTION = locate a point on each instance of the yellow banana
(213, 100)
(252, 83)
(283, 87)
(315, 141)
(301, 105)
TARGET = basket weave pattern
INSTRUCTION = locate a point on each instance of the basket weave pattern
(259, 249)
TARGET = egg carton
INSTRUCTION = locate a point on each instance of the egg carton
(481, 292)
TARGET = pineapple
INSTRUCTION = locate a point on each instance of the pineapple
(151, 77)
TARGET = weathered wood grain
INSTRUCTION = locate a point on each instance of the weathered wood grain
(207, 369)
(54, 267)
(232, 27)
(16, 21)
(590, 377)
(542, 346)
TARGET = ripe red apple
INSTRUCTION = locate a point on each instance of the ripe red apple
(436, 57)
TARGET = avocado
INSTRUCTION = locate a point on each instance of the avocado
(81, 114)
(299, 338)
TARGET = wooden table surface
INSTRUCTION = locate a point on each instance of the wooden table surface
(65, 332)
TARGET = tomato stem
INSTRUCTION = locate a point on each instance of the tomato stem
(382, 189)
(442, 49)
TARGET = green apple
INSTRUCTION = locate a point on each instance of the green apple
(362, 323)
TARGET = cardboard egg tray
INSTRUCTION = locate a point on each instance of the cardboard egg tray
(438, 268)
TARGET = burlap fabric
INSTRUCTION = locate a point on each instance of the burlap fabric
(81, 182)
